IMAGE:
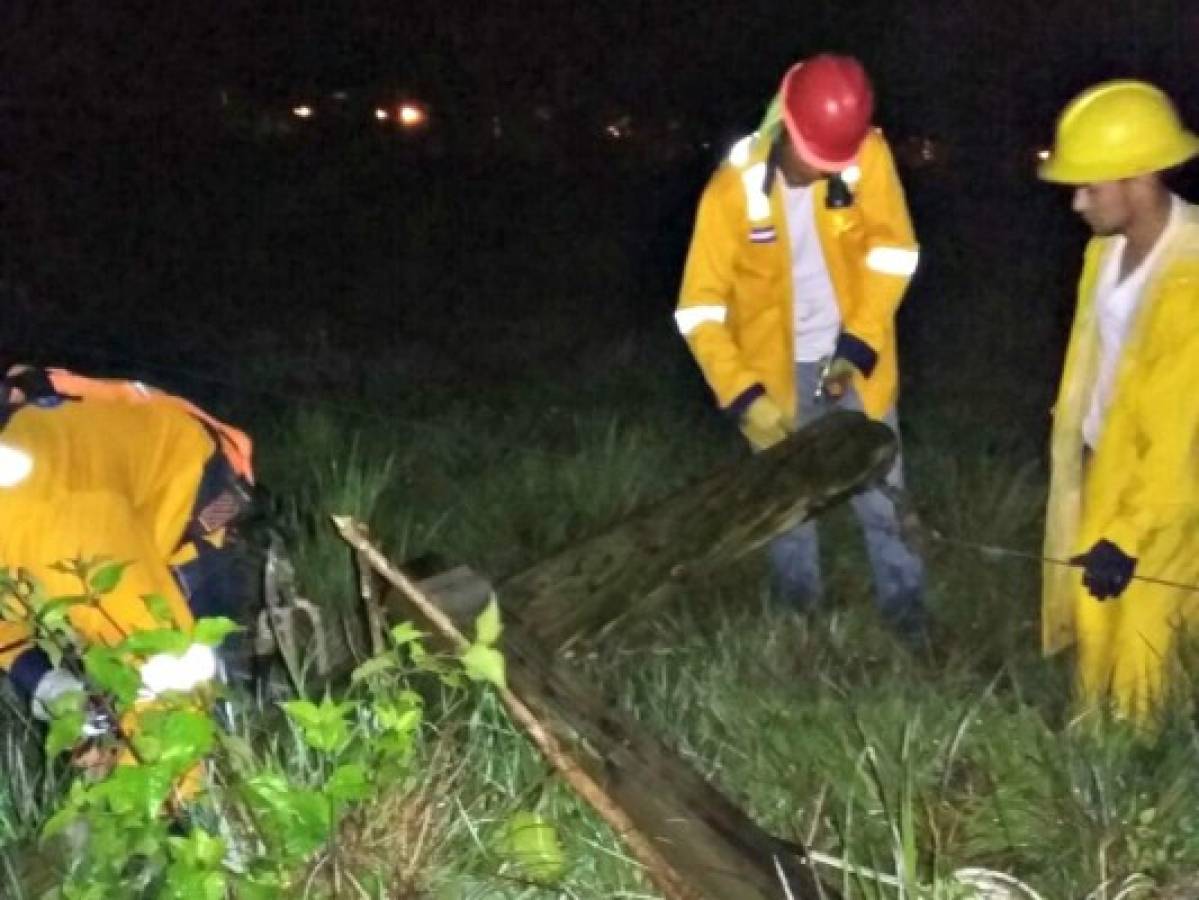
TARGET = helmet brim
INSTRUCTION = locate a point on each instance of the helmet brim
(1056, 170)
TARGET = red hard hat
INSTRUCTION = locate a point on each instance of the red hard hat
(827, 105)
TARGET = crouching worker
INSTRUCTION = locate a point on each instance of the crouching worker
(97, 468)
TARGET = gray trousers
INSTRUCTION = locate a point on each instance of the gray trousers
(897, 569)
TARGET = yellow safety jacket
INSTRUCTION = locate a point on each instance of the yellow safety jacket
(1140, 487)
(735, 304)
(115, 473)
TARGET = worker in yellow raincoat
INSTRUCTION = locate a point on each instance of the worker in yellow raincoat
(802, 251)
(114, 469)
(1124, 489)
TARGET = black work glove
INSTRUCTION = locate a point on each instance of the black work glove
(1107, 570)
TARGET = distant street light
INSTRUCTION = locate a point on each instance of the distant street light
(411, 115)
(381, 115)
(302, 112)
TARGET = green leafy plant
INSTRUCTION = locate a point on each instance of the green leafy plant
(185, 809)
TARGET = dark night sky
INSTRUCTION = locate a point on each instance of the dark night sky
(976, 70)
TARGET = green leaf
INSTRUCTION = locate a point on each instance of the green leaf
(260, 886)
(198, 849)
(487, 626)
(136, 790)
(213, 631)
(294, 820)
(324, 727)
(52, 615)
(378, 665)
(484, 664)
(105, 579)
(187, 883)
(60, 822)
(348, 783)
(155, 640)
(111, 674)
(531, 843)
(405, 633)
(160, 609)
(73, 890)
(400, 717)
(304, 712)
(64, 732)
(177, 738)
(391, 749)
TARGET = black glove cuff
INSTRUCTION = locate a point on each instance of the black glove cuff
(858, 352)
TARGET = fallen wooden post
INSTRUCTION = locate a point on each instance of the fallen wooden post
(693, 841)
(659, 870)
(592, 586)
(677, 823)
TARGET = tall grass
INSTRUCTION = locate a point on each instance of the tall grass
(899, 771)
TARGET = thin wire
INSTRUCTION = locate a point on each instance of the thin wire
(911, 521)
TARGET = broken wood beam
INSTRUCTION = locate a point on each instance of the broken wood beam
(591, 586)
(693, 841)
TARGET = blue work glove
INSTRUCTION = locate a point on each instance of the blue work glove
(1107, 570)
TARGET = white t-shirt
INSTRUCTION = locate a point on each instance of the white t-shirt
(816, 316)
(1116, 303)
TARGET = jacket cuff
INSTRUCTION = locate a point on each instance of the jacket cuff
(28, 669)
(743, 401)
(857, 351)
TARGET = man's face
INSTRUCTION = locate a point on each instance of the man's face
(1105, 206)
(796, 172)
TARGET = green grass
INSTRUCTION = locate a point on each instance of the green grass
(898, 770)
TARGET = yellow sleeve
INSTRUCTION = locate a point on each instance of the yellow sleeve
(14, 640)
(703, 310)
(890, 248)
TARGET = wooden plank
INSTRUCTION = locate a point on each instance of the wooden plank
(594, 585)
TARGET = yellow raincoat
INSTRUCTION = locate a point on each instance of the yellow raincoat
(1140, 489)
(734, 307)
(112, 478)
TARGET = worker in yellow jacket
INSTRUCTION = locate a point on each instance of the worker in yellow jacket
(802, 251)
(115, 469)
(1124, 489)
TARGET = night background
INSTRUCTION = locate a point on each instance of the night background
(428, 254)
(160, 190)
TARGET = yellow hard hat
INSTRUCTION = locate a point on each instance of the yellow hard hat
(1114, 130)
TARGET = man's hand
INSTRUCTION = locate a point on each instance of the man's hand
(764, 424)
(1107, 570)
(836, 379)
